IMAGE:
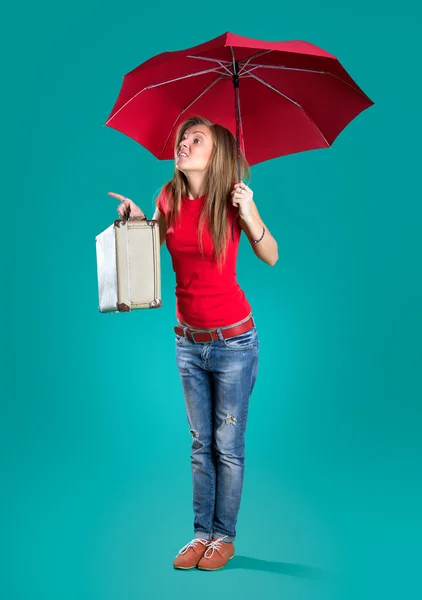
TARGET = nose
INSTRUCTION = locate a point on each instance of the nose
(183, 144)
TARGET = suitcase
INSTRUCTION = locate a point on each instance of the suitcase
(128, 266)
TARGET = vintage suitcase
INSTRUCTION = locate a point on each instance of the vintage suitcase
(128, 266)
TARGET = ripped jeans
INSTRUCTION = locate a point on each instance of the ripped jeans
(217, 378)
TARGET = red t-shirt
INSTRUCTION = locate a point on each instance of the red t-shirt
(205, 297)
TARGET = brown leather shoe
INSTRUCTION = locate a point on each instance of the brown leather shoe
(189, 556)
(217, 554)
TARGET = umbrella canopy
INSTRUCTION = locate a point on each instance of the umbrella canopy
(277, 98)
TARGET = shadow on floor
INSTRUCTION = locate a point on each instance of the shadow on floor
(256, 564)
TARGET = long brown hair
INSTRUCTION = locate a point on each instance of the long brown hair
(220, 178)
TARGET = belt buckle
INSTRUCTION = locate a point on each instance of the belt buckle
(206, 342)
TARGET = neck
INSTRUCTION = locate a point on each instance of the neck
(196, 185)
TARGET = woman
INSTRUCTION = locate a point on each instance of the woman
(216, 338)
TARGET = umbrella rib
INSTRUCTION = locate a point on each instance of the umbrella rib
(247, 72)
(307, 71)
(275, 90)
(250, 58)
(154, 85)
(187, 108)
(219, 61)
(291, 100)
(290, 69)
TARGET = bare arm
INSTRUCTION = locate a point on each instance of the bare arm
(266, 249)
(162, 225)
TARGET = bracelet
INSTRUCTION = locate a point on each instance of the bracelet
(263, 233)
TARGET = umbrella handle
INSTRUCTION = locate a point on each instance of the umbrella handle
(239, 180)
(234, 221)
(127, 216)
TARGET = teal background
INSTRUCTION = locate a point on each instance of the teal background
(96, 495)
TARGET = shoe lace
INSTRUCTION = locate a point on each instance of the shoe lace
(215, 545)
(191, 544)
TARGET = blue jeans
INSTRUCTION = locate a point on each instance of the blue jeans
(217, 379)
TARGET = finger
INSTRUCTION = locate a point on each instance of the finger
(118, 196)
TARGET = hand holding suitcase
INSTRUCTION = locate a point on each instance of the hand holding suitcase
(128, 261)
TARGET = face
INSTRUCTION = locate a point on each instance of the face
(195, 149)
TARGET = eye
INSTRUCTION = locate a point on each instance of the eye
(197, 140)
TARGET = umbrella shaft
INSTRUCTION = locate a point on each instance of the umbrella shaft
(236, 93)
(237, 112)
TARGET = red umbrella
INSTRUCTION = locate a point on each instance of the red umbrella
(278, 98)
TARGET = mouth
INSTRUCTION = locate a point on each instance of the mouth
(180, 154)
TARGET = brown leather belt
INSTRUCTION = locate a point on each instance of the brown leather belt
(201, 336)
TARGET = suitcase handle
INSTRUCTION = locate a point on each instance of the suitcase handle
(127, 215)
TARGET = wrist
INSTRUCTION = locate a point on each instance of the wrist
(247, 218)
